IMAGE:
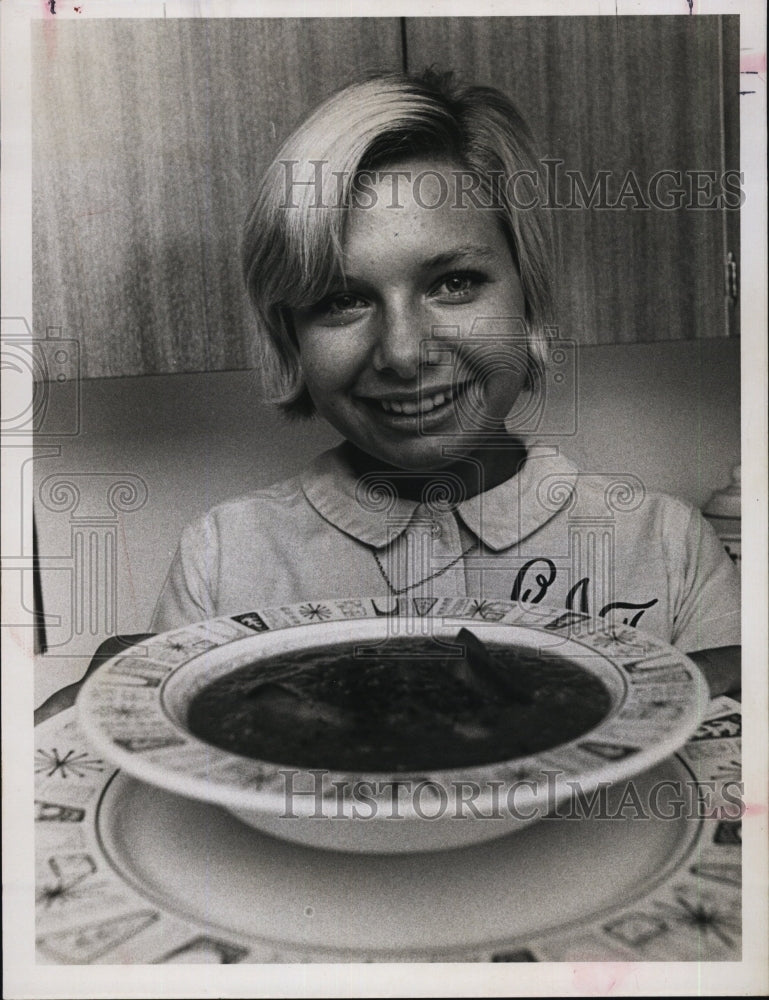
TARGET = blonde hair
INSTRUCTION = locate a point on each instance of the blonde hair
(293, 236)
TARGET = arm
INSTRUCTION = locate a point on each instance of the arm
(65, 697)
(187, 592)
(721, 667)
(708, 617)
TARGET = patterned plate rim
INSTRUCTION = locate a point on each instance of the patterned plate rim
(122, 710)
(88, 913)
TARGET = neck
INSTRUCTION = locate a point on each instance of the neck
(478, 470)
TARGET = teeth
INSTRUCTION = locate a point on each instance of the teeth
(411, 407)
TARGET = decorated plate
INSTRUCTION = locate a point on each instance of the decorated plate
(130, 873)
(133, 709)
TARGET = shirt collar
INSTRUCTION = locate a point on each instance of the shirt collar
(359, 506)
(366, 509)
(508, 513)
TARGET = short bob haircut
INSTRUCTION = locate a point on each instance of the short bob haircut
(294, 233)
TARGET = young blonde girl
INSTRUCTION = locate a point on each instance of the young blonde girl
(398, 260)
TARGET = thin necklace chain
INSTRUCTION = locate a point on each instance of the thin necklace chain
(396, 591)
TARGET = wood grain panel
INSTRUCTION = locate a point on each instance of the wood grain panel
(612, 94)
(148, 138)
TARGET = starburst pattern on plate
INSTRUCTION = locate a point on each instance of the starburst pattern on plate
(486, 610)
(70, 871)
(59, 893)
(315, 612)
(172, 646)
(179, 647)
(52, 762)
(730, 769)
(703, 915)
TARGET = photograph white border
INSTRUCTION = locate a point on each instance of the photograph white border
(23, 978)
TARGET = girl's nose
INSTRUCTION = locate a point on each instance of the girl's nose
(399, 343)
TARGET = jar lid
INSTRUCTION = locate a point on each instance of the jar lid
(726, 502)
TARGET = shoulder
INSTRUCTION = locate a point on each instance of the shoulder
(274, 498)
(655, 521)
(626, 494)
(262, 509)
(554, 491)
(640, 516)
(288, 509)
(623, 496)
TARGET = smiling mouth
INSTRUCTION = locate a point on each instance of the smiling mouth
(424, 403)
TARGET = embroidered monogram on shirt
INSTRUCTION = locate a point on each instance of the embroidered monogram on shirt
(533, 593)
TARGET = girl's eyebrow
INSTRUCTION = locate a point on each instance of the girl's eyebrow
(458, 254)
(475, 252)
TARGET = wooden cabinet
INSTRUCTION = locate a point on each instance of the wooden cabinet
(148, 137)
(618, 101)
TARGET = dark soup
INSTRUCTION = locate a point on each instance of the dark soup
(399, 705)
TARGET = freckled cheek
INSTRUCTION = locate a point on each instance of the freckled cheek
(330, 360)
(329, 383)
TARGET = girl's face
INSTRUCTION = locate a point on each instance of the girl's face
(419, 353)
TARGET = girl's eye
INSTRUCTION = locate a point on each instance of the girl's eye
(340, 307)
(344, 302)
(460, 286)
(337, 308)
